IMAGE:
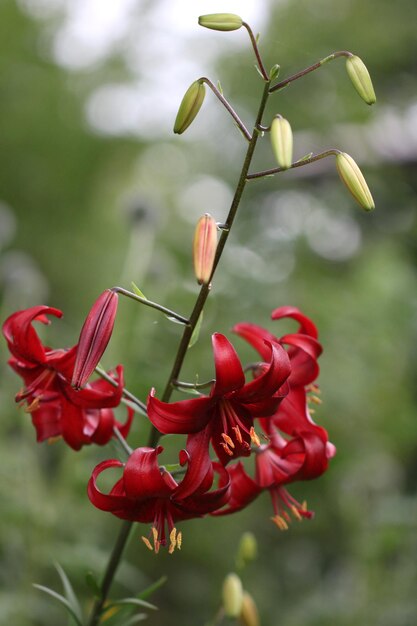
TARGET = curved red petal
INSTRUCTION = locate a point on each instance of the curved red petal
(98, 394)
(256, 336)
(183, 417)
(143, 478)
(21, 337)
(210, 501)
(125, 428)
(73, 422)
(229, 372)
(273, 377)
(199, 464)
(243, 490)
(306, 327)
(104, 428)
(47, 421)
(112, 502)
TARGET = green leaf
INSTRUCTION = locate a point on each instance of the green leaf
(91, 581)
(135, 619)
(190, 391)
(60, 599)
(69, 592)
(196, 331)
(137, 291)
(219, 87)
(134, 602)
(306, 157)
(149, 590)
(259, 72)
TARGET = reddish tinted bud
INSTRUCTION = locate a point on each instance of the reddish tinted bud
(204, 248)
(94, 337)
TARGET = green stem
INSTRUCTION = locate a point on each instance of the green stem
(127, 394)
(228, 107)
(112, 565)
(153, 305)
(205, 289)
(311, 68)
(300, 163)
(256, 50)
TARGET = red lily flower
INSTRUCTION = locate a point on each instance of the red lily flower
(57, 410)
(227, 414)
(304, 348)
(149, 493)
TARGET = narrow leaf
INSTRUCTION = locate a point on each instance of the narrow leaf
(69, 592)
(60, 599)
(149, 590)
(219, 87)
(134, 602)
(135, 619)
(137, 291)
(189, 390)
(196, 331)
(174, 319)
(91, 581)
(306, 157)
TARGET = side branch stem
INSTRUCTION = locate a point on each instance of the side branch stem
(227, 106)
(311, 68)
(300, 163)
(127, 394)
(256, 50)
(205, 289)
(153, 305)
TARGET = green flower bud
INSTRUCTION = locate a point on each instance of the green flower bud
(360, 78)
(248, 549)
(190, 106)
(232, 595)
(281, 140)
(221, 21)
(353, 178)
(249, 615)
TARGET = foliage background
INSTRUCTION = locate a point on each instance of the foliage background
(95, 191)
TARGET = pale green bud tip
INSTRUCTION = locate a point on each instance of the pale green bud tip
(360, 78)
(248, 548)
(353, 178)
(282, 141)
(232, 595)
(190, 106)
(249, 615)
(221, 21)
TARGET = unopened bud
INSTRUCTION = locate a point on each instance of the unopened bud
(190, 106)
(232, 595)
(353, 178)
(249, 615)
(359, 75)
(281, 140)
(221, 21)
(94, 337)
(248, 549)
(204, 248)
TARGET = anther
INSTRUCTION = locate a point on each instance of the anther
(280, 522)
(254, 437)
(147, 543)
(226, 448)
(315, 400)
(173, 540)
(179, 540)
(52, 440)
(238, 433)
(296, 513)
(228, 440)
(34, 405)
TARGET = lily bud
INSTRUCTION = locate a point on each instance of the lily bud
(190, 106)
(353, 178)
(94, 337)
(248, 548)
(204, 248)
(281, 140)
(359, 75)
(221, 21)
(249, 615)
(232, 595)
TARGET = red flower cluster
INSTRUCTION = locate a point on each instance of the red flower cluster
(268, 416)
(57, 410)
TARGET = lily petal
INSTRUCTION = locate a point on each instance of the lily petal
(307, 327)
(229, 372)
(183, 417)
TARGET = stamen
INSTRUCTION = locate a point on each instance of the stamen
(280, 522)
(147, 543)
(53, 440)
(304, 506)
(173, 540)
(238, 433)
(314, 388)
(179, 540)
(254, 437)
(228, 440)
(296, 513)
(286, 516)
(315, 400)
(226, 448)
(34, 405)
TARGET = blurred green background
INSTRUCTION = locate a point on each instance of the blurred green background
(95, 190)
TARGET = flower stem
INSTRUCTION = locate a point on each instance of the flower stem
(311, 68)
(300, 163)
(110, 572)
(205, 289)
(127, 394)
(228, 107)
(256, 50)
(153, 305)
